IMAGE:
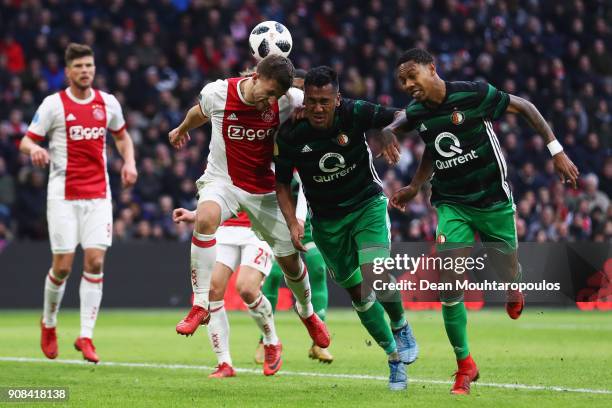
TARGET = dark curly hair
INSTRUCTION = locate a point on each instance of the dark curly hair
(321, 76)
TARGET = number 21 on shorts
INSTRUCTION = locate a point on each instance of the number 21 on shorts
(262, 257)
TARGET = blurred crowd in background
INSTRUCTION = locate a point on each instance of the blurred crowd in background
(155, 56)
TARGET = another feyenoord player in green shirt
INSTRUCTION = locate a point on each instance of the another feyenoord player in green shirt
(464, 161)
(350, 225)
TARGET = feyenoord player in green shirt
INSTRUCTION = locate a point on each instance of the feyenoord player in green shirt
(350, 225)
(464, 161)
(314, 263)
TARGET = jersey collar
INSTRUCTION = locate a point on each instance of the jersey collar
(81, 101)
(240, 93)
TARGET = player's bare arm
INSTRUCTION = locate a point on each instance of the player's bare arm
(388, 137)
(287, 206)
(125, 147)
(405, 194)
(389, 134)
(301, 207)
(183, 215)
(568, 172)
(180, 135)
(39, 155)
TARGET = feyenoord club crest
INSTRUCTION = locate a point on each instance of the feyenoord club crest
(457, 117)
(268, 116)
(342, 139)
(98, 113)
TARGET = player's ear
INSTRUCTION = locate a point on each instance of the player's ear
(432, 69)
(338, 99)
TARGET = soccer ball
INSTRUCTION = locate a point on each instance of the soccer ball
(268, 38)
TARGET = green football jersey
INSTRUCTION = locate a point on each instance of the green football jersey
(469, 167)
(335, 164)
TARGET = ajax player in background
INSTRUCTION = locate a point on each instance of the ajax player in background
(79, 208)
(238, 247)
(468, 176)
(350, 224)
(245, 114)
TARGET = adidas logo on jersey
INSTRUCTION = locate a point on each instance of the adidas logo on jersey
(232, 116)
(70, 117)
(422, 128)
(306, 149)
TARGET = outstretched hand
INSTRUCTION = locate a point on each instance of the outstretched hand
(129, 175)
(566, 169)
(39, 156)
(178, 138)
(390, 147)
(182, 215)
(297, 234)
(402, 196)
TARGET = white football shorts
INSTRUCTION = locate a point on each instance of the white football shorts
(74, 222)
(266, 217)
(239, 246)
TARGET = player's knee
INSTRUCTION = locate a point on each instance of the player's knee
(62, 271)
(206, 223)
(248, 293)
(356, 293)
(317, 276)
(62, 265)
(94, 265)
(216, 293)
(291, 266)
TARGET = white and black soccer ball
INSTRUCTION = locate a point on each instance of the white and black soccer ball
(270, 37)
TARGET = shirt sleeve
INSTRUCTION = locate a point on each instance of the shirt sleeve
(294, 98)
(42, 122)
(283, 161)
(494, 102)
(117, 122)
(301, 208)
(372, 116)
(208, 96)
(411, 115)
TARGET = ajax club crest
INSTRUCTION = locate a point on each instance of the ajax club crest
(98, 113)
(268, 116)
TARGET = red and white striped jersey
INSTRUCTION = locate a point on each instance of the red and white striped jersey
(76, 129)
(242, 141)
